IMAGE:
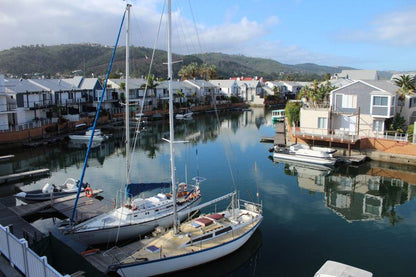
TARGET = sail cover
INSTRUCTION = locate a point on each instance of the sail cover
(137, 188)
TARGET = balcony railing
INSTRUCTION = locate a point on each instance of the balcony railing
(347, 135)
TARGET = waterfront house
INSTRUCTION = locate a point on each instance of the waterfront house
(7, 108)
(227, 87)
(356, 110)
(205, 91)
(251, 91)
(32, 102)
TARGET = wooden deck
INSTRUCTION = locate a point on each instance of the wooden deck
(23, 175)
(21, 228)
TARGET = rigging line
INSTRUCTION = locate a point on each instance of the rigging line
(196, 29)
(225, 148)
(136, 135)
(96, 119)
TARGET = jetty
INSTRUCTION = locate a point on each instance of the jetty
(6, 158)
(23, 175)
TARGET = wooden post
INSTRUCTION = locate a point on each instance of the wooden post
(349, 149)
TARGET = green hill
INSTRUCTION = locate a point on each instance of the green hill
(93, 60)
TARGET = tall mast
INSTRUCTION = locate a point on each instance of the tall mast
(171, 129)
(127, 96)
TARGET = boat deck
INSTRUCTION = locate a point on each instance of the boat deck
(169, 244)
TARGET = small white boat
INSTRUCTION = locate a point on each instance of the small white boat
(185, 114)
(278, 115)
(303, 153)
(98, 136)
(50, 191)
(336, 269)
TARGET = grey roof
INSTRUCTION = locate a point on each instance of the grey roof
(223, 83)
(175, 85)
(21, 85)
(385, 85)
(52, 84)
(340, 82)
(359, 74)
(200, 83)
(134, 83)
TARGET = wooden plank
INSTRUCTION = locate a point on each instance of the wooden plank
(6, 158)
(21, 228)
(22, 175)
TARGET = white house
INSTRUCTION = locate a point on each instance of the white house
(359, 109)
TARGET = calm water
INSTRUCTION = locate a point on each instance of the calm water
(363, 216)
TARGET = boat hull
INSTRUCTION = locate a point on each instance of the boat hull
(32, 197)
(304, 159)
(176, 263)
(124, 232)
(87, 138)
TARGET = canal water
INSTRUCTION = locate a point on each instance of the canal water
(363, 215)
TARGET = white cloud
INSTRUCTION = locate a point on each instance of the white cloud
(395, 28)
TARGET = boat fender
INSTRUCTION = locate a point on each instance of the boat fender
(89, 192)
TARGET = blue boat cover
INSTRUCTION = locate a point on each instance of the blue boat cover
(137, 188)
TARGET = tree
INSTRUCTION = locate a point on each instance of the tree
(407, 85)
(316, 94)
(292, 112)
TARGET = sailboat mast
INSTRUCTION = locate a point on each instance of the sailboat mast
(171, 129)
(127, 96)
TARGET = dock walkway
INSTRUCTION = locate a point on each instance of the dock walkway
(23, 175)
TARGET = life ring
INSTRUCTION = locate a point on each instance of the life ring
(89, 192)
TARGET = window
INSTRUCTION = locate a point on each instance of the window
(349, 101)
(322, 122)
(380, 100)
(378, 125)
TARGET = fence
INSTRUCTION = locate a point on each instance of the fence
(347, 135)
(23, 258)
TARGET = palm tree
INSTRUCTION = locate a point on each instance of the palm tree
(406, 83)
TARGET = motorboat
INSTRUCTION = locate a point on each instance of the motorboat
(184, 114)
(50, 191)
(278, 115)
(304, 153)
(98, 136)
(337, 269)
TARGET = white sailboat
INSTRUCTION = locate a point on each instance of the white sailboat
(197, 241)
(137, 216)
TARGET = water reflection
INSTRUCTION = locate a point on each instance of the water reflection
(357, 193)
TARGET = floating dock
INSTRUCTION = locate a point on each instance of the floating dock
(6, 158)
(23, 175)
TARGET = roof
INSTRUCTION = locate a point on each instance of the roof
(200, 83)
(21, 85)
(134, 83)
(385, 86)
(359, 74)
(176, 85)
(223, 83)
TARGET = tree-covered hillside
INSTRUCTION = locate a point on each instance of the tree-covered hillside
(93, 60)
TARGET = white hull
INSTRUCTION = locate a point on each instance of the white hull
(304, 159)
(87, 138)
(176, 263)
(123, 232)
(184, 116)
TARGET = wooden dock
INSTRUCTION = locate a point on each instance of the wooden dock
(23, 175)
(6, 158)
(20, 227)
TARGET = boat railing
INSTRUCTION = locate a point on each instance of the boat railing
(23, 258)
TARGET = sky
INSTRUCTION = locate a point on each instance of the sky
(364, 34)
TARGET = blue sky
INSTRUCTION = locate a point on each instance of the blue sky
(364, 34)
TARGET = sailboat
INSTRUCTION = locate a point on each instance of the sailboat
(137, 216)
(196, 241)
